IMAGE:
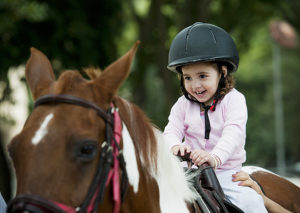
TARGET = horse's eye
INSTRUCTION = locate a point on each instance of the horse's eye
(87, 150)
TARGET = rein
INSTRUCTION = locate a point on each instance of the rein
(110, 161)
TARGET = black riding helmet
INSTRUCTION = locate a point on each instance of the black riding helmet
(203, 42)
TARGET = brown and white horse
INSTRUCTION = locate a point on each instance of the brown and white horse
(59, 160)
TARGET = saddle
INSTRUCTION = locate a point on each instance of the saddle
(211, 196)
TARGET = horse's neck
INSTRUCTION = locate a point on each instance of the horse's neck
(156, 160)
(141, 131)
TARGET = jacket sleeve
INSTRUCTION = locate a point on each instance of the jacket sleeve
(174, 131)
(232, 142)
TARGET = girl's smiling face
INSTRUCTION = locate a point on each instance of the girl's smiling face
(201, 80)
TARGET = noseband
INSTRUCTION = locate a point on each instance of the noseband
(110, 161)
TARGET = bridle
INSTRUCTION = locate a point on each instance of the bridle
(110, 162)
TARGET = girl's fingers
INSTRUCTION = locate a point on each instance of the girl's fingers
(246, 183)
(196, 157)
(195, 153)
(192, 154)
(188, 149)
(244, 175)
(240, 176)
(201, 160)
(197, 161)
(208, 160)
(176, 150)
(182, 151)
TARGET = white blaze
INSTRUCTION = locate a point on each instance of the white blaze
(42, 131)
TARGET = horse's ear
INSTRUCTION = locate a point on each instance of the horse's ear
(39, 72)
(113, 76)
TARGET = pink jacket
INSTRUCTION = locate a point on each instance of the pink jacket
(228, 128)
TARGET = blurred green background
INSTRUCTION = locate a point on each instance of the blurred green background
(82, 33)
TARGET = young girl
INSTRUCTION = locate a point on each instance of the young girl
(209, 120)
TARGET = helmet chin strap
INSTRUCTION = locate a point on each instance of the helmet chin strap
(206, 108)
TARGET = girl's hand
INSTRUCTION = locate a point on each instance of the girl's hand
(199, 157)
(181, 150)
(246, 180)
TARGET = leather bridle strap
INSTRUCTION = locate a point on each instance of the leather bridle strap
(69, 99)
(96, 191)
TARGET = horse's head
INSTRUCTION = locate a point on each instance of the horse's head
(61, 159)
(57, 152)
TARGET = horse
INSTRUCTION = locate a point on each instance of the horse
(86, 149)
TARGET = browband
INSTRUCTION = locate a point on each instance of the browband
(69, 99)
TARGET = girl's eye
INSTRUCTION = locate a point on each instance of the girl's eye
(187, 78)
(202, 76)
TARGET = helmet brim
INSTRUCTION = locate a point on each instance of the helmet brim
(190, 60)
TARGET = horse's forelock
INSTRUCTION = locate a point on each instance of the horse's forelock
(71, 82)
(92, 72)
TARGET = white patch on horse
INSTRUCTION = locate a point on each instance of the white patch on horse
(132, 121)
(130, 159)
(174, 185)
(42, 131)
(252, 169)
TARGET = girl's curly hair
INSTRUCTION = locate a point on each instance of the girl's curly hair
(226, 83)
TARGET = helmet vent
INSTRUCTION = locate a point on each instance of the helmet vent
(187, 37)
(213, 35)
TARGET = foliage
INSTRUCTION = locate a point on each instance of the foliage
(74, 34)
